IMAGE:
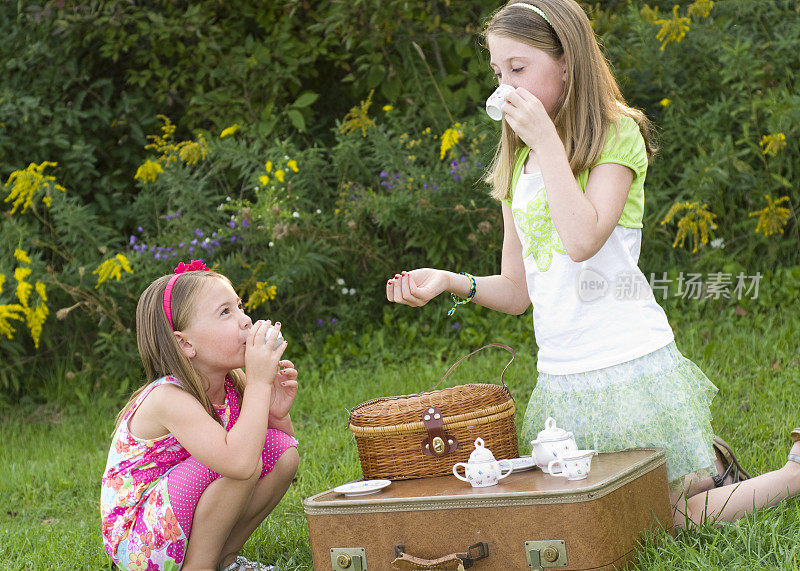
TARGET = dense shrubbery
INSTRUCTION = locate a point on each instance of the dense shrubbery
(309, 161)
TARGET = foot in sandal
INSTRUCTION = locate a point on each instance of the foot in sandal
(243, 564)
(794, 453)
(732, 473)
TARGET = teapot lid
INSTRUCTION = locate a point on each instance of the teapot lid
(552, 432)
(481, 453)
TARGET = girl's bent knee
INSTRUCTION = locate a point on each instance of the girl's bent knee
(289, 462)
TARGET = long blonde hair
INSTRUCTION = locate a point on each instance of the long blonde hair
(158, 347)
(591, 100)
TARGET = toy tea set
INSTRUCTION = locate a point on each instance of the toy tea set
(554, 451)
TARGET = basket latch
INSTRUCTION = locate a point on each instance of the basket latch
(437, 443)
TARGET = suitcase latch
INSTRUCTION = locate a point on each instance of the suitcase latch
(549, 553)
(348, 558)
(437, 443)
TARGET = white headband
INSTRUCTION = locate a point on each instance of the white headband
(535, 9)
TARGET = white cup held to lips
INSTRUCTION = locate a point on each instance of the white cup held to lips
(494, 105)
(280, 338)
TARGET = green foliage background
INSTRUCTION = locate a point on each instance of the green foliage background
(84, 83)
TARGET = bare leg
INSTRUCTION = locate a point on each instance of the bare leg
(694, 486)
(267, 493)
(731, 502)
(217, 511)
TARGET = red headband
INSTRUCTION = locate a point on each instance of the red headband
(193, 266)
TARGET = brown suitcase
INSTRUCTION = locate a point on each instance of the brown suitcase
(529, 520)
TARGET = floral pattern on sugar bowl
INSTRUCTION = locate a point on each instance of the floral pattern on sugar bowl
(482, 469)
(551, 443)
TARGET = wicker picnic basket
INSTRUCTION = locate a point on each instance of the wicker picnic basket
(423, 435)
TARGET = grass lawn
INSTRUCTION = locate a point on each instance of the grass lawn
(53, 455)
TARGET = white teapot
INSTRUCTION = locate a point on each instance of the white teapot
(482, 469)
(551, 443)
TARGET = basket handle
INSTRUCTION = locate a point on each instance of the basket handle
(454, 365)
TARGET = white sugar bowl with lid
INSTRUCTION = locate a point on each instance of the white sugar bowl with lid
(482, 469)
(551, 443)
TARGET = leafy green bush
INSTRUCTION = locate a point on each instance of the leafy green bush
(304, 159)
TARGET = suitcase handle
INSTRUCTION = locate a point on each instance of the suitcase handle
(474, 553)
(454, 365)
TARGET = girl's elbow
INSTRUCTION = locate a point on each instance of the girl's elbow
(582, 252)
(243, 470)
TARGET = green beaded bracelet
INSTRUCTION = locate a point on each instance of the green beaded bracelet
(457, 300)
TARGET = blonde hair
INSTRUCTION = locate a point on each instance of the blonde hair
(158, 347)
(591, 100)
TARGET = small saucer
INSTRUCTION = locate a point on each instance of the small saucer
(361, 487)
(523, 463)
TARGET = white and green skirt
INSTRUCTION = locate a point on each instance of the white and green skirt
(661, 399)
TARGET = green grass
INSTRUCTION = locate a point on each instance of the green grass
(53, 455)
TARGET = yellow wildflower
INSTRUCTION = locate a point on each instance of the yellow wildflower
(773, 218)
(648, 14)
(701, 8)
(7, 313)
(388, 108)
(697, 222)
(292, 165)
(192, 152)
(450, 139)
(263, 293)
(24, 289)
(227, 132)
(160, 142)
(264, 180)
(773, 144)
(268, 166)
(112, 268)
(665, 102)
(673, 29)
(357, 118)
(35, 318)
(148, 171)
(41, 290)
(279, 174)
(2, 281)
(22, 256)
(25, 184)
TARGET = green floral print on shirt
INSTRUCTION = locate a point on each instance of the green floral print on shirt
(540, 234)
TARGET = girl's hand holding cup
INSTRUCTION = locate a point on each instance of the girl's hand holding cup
(263, 351)
(527, 117)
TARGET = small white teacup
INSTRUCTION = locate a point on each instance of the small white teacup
(573, 465)
(280, 338)
(482, 474)
(494, 105)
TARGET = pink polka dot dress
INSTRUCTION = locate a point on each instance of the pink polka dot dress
(151, 488)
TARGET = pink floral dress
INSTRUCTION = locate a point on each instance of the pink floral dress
(140, 529)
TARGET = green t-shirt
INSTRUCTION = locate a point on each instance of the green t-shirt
(624, 148)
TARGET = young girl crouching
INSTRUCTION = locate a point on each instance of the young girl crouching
(202, 453)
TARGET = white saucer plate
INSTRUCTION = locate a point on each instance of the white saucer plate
(361, 487)
(523, 463)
